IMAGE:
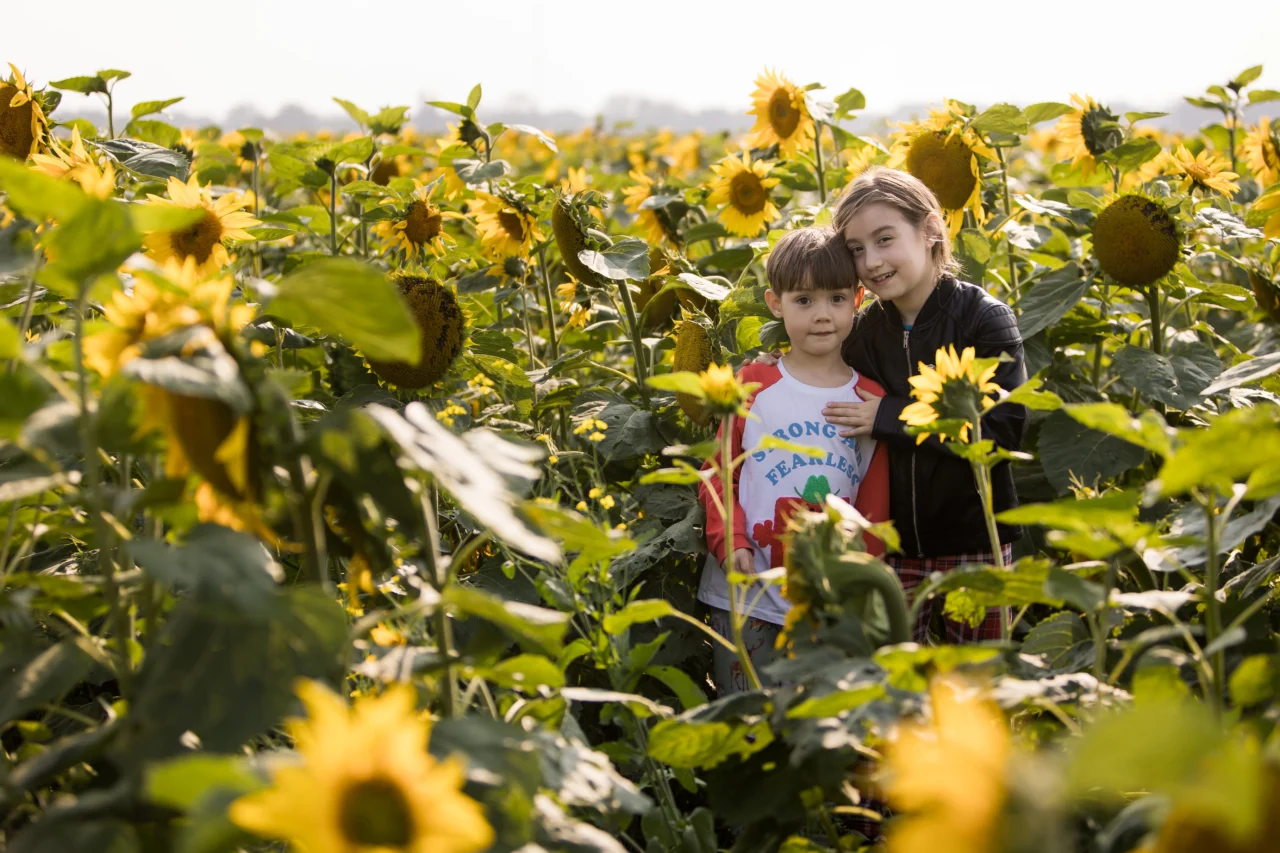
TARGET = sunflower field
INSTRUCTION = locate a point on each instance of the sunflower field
(348, 488)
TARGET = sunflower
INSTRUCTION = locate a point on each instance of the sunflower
(365, 783)
(634, 198)
(1135, 240)
(442, 324)
(741, 188)
(683, 155)
(955, 389)
(782, 116)
(1261, 151)
(1266, 203)
(77, 165)
(223, 220)
(1088, 132)
(155, 307)
(578, 313)
(1206, 171)
(506, 229)
(943, 153)
(421, 227)
(24, 128)
(947, 776)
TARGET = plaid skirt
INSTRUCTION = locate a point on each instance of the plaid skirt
(931, 623)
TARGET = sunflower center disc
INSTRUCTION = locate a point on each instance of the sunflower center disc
(375, 813)
(945, 165)
(15, 125)
(782, 115)
(511, 224)
(422, 223)
(747, 193)
(198, 240)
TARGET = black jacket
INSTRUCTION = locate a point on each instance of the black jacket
(933, 499)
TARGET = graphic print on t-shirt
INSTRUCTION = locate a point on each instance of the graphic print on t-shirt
(775, 482)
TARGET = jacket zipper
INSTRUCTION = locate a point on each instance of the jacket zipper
(915, 524)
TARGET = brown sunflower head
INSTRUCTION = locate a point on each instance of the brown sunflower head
(1135, 240)
(436, 311)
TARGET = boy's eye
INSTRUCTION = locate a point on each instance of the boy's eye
(802, 300)
(839, 297)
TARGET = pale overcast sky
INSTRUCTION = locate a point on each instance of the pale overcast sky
(576, 55)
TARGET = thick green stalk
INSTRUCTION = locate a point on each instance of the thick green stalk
(982, 477)
(822, 176)
(1212, 607)
(1157, 323)
(1014, 286)
(546, 293)
(440, 571)
(333, 211)
(637, 344)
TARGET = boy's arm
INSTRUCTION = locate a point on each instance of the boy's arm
(715, 523)
(872, 500)
(1006, 424)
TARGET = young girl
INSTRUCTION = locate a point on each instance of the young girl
(893, 226)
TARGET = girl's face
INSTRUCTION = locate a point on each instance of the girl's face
(894, 258)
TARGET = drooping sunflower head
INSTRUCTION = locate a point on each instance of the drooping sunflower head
(223, 220)
(958, 388)
(1088, 132)
(695, 354)
(365, 782)
(782, 116)
(1266, 292)
(741, 189)
(506, 226)
(571, 238)
(1261, 151)
(1135, 240)
(24, 127)
(1207, 171)
(440, 320)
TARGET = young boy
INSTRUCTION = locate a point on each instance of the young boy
(813, 289)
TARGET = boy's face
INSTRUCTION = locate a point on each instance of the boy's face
(817, 321)
(893, 257)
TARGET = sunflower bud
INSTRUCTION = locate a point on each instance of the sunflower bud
(435, 310)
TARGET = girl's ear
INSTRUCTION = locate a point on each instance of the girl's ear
(935, 230)
(774, 302)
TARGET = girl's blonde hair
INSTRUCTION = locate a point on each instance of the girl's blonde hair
(908, 195)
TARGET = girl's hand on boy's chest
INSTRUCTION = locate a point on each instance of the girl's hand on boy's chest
(857, 418)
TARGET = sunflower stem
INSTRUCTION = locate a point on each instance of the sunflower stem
(1014, 286)
(28, 307)
(1212, 607)
(1157, 324)
(546, 292)
(637, 345)
(257, 202)
(111, 120)
(440, 573)
(822, 178)
(982, 478)
(333, 211)
(736, 619)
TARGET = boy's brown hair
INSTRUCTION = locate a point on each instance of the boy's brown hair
(904, 192)
(811, 259)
